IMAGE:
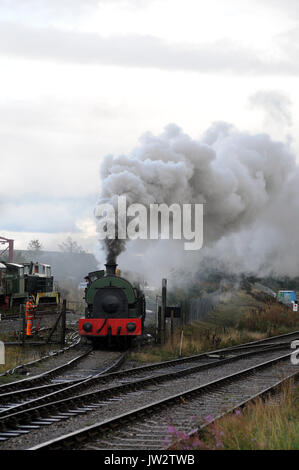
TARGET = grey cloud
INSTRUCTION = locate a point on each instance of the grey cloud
(42, 166)
(52, 215)
(136, 51)
(48, 218)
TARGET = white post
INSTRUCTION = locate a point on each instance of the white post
(181, 345)
(2, 353)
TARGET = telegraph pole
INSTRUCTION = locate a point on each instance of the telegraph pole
(63, 323)
(163, 309)
(158, 320)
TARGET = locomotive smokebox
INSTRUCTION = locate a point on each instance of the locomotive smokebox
(110, 269)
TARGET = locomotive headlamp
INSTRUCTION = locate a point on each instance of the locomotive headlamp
(131, 327)
(87, 327)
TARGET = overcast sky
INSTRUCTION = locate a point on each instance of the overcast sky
(83, 78)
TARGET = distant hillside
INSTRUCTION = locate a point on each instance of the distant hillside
(65, 265)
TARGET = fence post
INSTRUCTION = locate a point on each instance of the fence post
(158, 321)
(181, 342)
(63, 322)
(171, 326)
(163, 309)
(22, 311)
(182, 315)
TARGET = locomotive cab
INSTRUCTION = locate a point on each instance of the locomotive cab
(39, 282)
(15, 284)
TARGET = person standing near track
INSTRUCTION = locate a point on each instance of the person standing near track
(29, 315)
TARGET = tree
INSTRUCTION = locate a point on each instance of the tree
(70, 246)
(34, 245)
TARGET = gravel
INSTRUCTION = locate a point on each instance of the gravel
(132, 400)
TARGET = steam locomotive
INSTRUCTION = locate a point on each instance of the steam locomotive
(115, 309)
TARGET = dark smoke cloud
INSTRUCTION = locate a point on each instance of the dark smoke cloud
(113, 248)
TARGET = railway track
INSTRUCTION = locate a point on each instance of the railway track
(28, 385)
(6, 409)
(113, 388)
(75, 340)
(40, 378)
(146, 426)
(15, 391)
(23, 398)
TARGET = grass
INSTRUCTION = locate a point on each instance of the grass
(233, 306)
(10, 378)
(16, 355)
(239, 318)
(259, 426)
(198, 337)
(277, 318)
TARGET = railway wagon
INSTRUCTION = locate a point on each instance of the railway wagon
(39, 282)
(18, 281)
(115, 309)
(286, 296)
(13, 292)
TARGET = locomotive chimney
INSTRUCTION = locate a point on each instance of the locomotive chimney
(110, 269)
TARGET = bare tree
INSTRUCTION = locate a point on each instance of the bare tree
(70, 246)
(34, 245)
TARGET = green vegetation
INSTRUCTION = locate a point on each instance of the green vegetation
(16, 355)
(283, 283)
(234, 305)
(242, 315)
(259, 426)
(198, 337)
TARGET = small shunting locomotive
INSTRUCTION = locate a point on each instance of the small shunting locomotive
(115, 309)
(18, 281)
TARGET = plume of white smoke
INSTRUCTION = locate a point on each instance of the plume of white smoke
(247, 182)
(276, 106)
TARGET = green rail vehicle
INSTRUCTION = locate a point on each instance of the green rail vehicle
(18, 281)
